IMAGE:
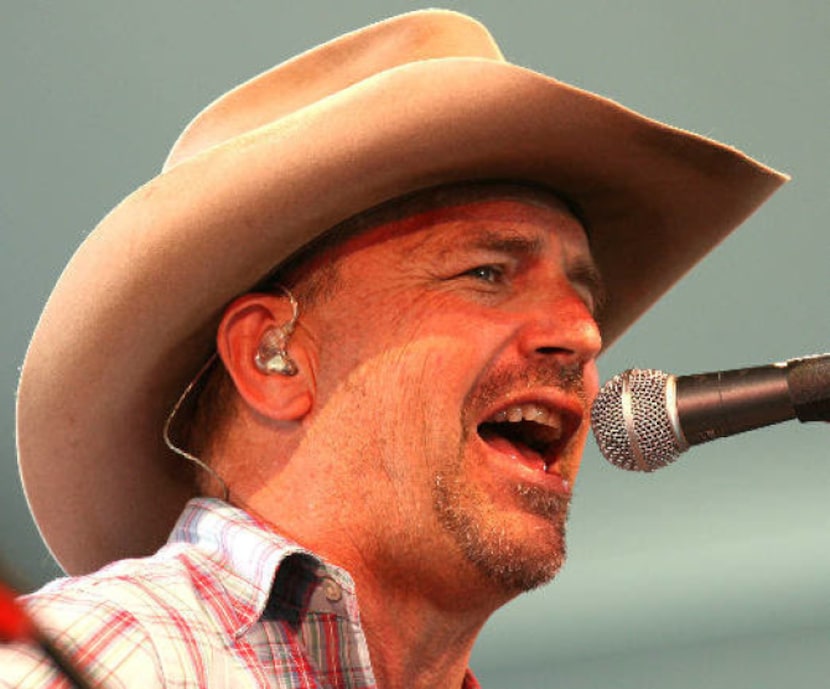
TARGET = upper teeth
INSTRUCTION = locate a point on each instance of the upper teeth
(529, 412)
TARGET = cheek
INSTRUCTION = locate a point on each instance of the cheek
(431, 372)
(425, 383)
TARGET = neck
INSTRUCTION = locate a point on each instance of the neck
(417, 638)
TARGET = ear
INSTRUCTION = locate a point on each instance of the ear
(243, 325)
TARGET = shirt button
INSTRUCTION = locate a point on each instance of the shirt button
(332, 590)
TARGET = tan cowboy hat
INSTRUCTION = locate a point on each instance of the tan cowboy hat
(416, 101)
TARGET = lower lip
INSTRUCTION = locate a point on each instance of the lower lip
(529, 465)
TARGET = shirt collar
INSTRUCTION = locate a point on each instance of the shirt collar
(243, 555)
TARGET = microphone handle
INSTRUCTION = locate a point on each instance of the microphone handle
(716, 405)
(809, 380)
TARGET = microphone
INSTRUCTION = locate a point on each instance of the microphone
(645, 419)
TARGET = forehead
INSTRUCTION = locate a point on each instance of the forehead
(446, 216)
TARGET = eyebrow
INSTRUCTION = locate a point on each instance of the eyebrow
(517, 245)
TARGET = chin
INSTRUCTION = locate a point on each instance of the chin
(516, 550)
(519, 571)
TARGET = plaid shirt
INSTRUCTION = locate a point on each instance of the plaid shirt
(226, 603)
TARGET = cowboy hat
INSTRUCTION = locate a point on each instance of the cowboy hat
(417, 101)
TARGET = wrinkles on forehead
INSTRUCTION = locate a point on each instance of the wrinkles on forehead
(449, 200)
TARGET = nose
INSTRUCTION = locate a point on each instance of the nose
(561, 327)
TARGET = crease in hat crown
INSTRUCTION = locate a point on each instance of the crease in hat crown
(330, 68)
(419, 100)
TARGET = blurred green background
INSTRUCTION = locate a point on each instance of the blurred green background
(711, 573)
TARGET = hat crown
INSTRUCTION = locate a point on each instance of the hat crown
(329, 68)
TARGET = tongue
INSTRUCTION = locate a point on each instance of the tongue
(515, 449)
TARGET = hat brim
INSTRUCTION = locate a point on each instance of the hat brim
(132, 318)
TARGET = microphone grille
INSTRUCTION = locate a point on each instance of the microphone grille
(631, 423)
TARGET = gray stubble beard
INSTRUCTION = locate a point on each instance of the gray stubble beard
(512, 566)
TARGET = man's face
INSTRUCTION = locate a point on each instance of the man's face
(454, 371)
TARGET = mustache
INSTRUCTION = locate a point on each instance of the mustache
(568, 378)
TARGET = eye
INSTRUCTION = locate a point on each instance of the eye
(487, 273)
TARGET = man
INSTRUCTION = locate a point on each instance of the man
(432, 246)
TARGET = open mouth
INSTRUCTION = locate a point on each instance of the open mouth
(532, 432)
